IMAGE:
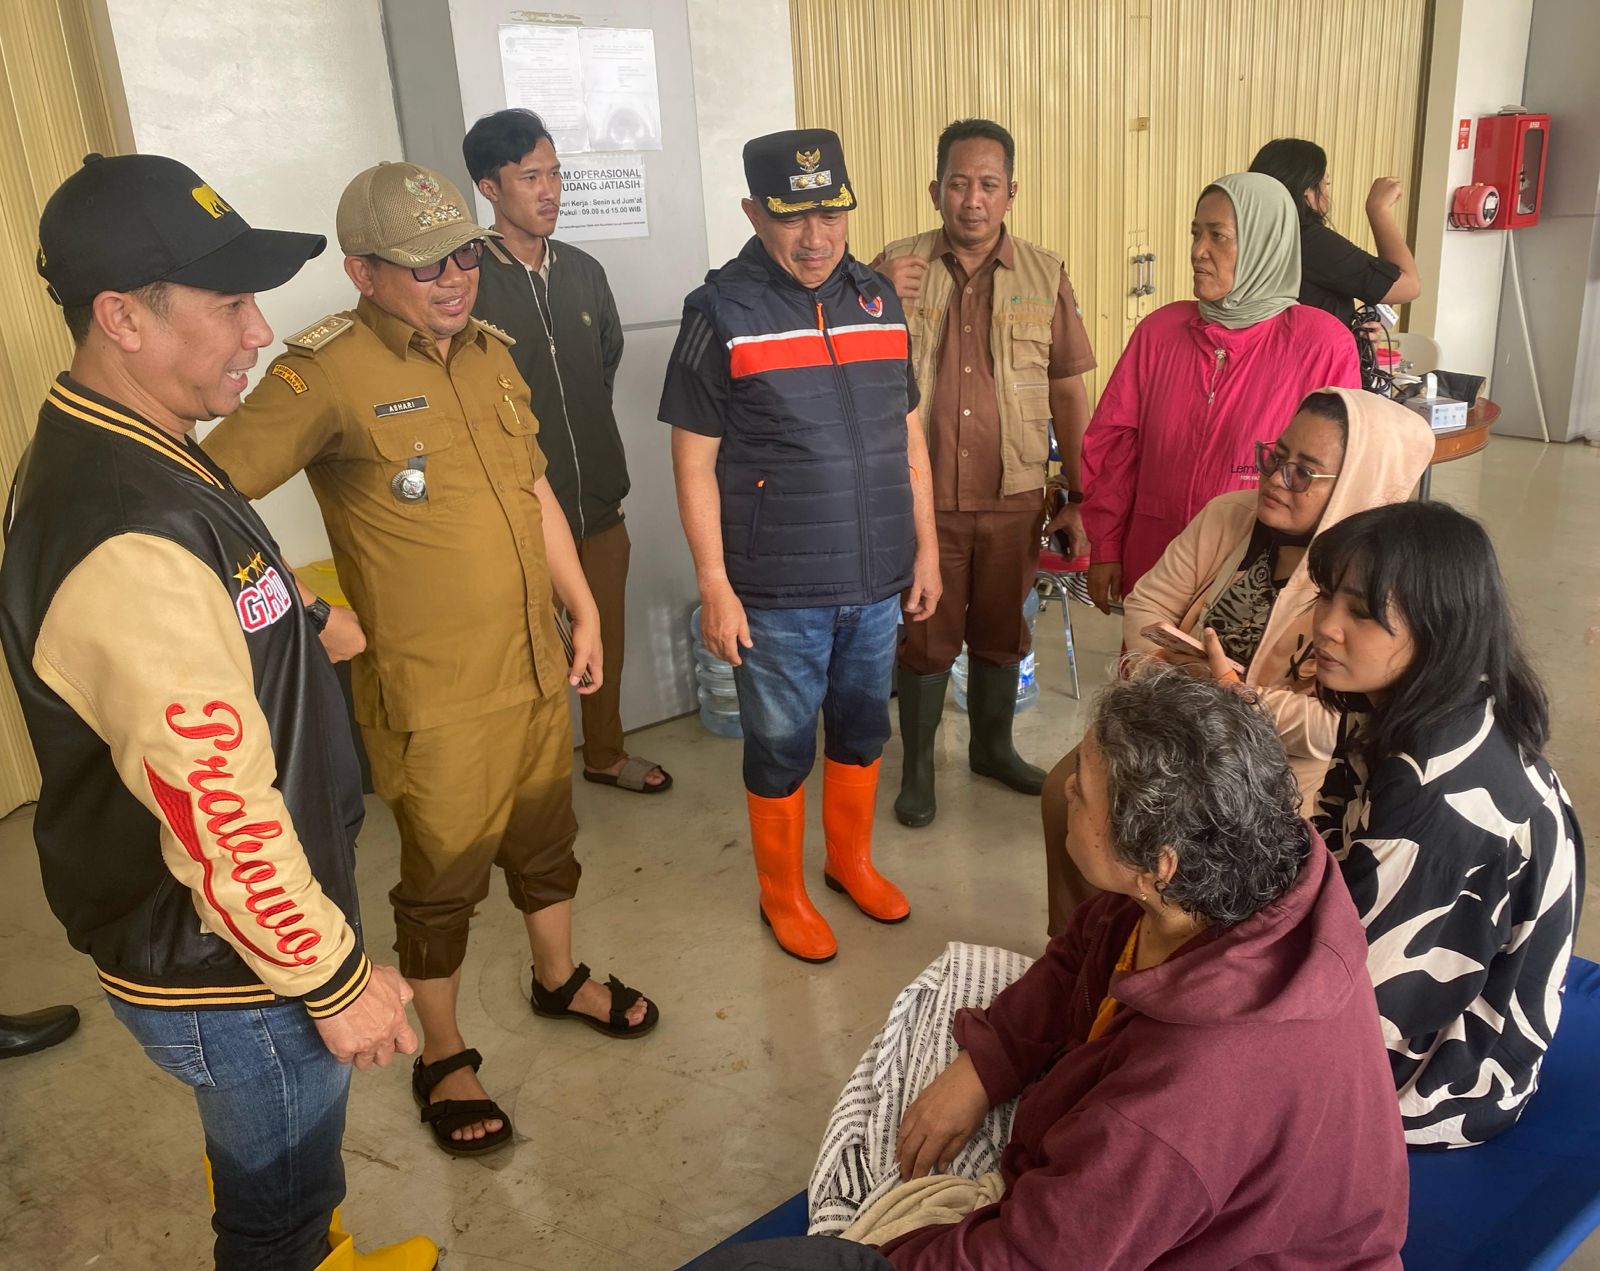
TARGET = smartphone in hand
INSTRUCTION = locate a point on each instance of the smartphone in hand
(1166, 636)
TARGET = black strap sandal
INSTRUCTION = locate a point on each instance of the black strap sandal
(448, 1115)
(557, 1004)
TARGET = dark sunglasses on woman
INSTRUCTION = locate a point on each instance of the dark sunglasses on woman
(1296, 477)
(467, 257)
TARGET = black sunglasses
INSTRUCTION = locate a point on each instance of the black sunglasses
(467, 257)
(1296, 477)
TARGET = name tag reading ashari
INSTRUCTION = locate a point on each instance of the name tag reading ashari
(400, 407)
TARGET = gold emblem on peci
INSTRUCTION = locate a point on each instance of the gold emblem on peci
(424, 188)
(808, 159)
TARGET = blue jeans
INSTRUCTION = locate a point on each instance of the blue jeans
(838, 659)
(271, 1101)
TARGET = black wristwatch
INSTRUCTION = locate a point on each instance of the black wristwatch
(1074, 496)
(319, 611)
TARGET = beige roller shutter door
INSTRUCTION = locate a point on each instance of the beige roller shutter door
(53, 110)
(1122, 111)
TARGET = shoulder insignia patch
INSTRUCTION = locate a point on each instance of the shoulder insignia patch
(504, 337)
(323, 331)
(287, 375)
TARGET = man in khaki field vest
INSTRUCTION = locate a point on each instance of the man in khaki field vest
(419, 439)
(1000, 351)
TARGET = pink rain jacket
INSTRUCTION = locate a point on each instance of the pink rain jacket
(1178, 420)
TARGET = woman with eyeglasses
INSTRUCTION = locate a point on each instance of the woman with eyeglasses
(1459, 846)
(1236, 579)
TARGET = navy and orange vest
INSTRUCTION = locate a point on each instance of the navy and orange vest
(816, 491)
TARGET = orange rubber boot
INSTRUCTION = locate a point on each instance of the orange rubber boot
(778, 836)
(849, 797)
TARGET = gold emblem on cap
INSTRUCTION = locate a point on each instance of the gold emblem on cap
(808, 159)
(424, 188)
(843, 199)
(443, 214)
(504, 381)
(210, 200)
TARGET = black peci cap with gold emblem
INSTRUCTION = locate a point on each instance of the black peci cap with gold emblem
(798, 171)
(119, 223)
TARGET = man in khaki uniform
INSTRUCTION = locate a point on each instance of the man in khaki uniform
(1000, 352)
(417, 434)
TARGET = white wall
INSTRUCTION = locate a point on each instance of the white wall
(743, 88)
(277, 106)
(1480, 49)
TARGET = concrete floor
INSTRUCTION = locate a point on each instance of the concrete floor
(640, 1154)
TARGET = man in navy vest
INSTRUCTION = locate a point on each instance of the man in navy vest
(805, 493)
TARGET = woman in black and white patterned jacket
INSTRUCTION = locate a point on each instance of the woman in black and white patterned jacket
(1456, 839)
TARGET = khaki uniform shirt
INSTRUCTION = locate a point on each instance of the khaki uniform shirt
(453, 590)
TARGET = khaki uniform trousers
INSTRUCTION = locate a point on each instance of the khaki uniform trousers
(604, 558)
(495, 790)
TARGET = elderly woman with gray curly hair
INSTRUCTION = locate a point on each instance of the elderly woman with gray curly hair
(1192, 1075)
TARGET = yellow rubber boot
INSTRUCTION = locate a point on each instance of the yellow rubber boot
(416, 1254)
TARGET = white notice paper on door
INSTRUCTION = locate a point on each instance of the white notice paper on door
(594, 87)
(542, 67)
(602, 196)
(619, 88)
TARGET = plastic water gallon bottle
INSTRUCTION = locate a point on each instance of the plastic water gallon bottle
(1027, 683)
(714, 687)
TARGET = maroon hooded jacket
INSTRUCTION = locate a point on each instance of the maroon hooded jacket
(1238, 1112)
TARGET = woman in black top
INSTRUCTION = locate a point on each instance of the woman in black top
(1334, 272)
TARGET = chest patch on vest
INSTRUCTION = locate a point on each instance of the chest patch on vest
(873, 307)
(263, 601)
(400, 407)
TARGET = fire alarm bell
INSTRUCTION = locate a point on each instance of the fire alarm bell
(1474, 207)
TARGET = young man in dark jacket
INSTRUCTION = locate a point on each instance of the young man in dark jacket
(200, 796)
(555, 301)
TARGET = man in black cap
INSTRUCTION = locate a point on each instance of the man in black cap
(200, 796)
(804, 490)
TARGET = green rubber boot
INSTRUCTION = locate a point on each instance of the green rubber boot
(921, 705)
(991, 705)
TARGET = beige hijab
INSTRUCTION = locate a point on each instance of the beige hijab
(1266, 277)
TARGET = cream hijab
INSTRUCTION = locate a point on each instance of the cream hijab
(1266, 277)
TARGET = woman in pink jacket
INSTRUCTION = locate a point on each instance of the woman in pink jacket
(1203, 380)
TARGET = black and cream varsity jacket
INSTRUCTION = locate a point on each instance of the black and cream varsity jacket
(200, 796)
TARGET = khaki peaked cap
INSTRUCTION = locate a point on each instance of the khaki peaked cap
(406, 214)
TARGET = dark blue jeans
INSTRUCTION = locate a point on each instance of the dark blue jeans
(271, 1101)
(838, 659)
